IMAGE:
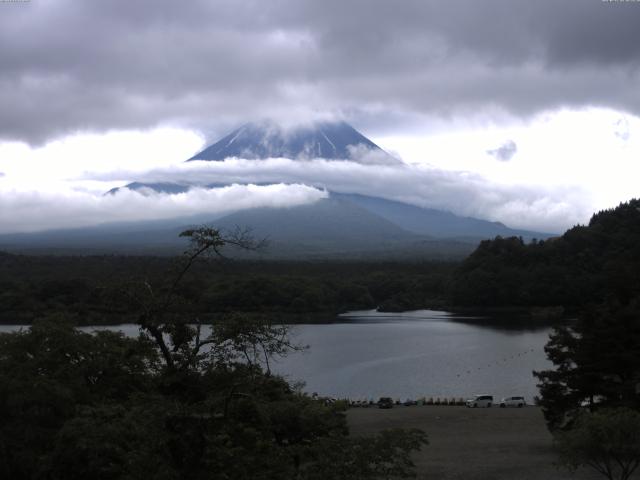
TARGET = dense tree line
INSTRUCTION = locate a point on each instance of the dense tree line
(586, 266)
(90, 287)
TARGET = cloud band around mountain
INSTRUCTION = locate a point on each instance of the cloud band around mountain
(29, 211)
(518, 206)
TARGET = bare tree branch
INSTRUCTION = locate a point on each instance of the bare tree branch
(182, 345)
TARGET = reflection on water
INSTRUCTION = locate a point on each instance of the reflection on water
(409, 355)
(499, 321)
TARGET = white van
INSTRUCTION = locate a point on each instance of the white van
(482, 401)
(513, 402)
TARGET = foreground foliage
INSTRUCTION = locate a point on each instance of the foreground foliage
(607, 441)
(591, 398)
(183, 400)
(597, 364)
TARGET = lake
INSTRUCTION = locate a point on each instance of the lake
(416, 354)
(410, 355)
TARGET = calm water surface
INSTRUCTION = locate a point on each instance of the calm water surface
(410, 355)
(415, 354)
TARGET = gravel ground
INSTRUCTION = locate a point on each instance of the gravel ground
(473, 444)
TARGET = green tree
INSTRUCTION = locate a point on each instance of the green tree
(184, 347)
(607, 441)
(182, 401)
(384, 456)
(597, 364)
(52, 370)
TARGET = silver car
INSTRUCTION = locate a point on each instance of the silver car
(513, 402)
(481, 401)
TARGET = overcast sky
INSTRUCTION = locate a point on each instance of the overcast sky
(526, 112)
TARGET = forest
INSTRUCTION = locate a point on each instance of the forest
(90, 288)
(586, 266)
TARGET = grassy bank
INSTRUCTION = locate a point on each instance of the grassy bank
(473, 444)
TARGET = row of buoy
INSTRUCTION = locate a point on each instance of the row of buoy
(437, 401)
(502, 361)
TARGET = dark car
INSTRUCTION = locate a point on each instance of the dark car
(385, 402)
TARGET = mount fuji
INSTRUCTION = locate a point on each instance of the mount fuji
(344, 225)
(334, 141)
(328, 140)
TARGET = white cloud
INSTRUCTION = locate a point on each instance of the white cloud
(59, 160)
(367, 156)
(594, 150)
(568, 165)
(546, 209)
(25, 211)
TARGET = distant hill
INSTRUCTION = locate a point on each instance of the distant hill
(344, 225)
(587, 265)
(329, 220)
(329, 228)
(435, 223)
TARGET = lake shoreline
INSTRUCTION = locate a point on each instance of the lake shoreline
(516, 316)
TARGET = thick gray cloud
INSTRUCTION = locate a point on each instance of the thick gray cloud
(504, 152)
(69, 66)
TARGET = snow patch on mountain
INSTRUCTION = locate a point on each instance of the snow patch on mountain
(266, 139)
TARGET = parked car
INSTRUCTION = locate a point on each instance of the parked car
(481, 401)
(385, 402)
(513, 402)
(592, 401)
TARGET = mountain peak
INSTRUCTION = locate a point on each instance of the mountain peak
(267, 139)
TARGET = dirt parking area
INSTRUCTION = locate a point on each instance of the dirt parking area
(473, 444)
